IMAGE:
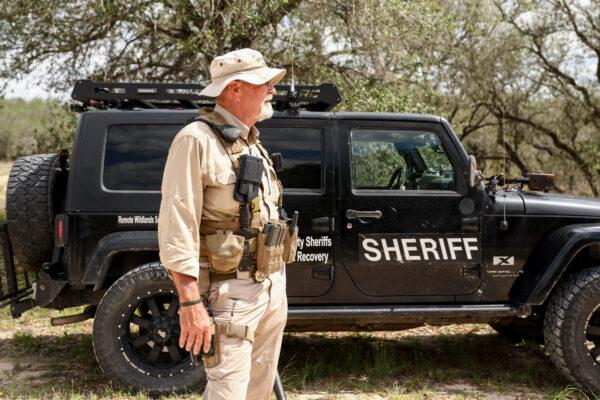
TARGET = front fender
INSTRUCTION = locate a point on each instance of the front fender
(109, 246)
(549, 261)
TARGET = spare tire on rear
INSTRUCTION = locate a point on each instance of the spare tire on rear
(34, 195)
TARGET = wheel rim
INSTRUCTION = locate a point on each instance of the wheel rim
(592, 335)
(149, 335)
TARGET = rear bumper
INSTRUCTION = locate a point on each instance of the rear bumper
(15, 286)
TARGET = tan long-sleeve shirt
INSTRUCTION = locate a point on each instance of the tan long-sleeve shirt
(198, 184)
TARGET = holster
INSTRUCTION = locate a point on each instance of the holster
(231, 329)
(212, 359)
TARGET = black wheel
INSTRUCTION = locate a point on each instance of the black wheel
(572, 328)
(518, 329)
(136, 334)
(34, 194)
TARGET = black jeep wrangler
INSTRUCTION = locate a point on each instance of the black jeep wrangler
(397, 230)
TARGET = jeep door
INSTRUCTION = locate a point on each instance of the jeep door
(409, 226)
(307, 179)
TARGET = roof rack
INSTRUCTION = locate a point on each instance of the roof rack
(130, 96)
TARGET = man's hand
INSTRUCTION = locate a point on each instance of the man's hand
(196, 328)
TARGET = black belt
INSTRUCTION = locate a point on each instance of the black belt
(216, 277)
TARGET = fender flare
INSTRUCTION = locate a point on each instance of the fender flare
(549, 260)
(111, 245)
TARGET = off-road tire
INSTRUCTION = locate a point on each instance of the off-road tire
(31, 205)
(567, 331)
(120, 360)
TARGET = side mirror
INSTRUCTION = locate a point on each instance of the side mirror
(475, 176)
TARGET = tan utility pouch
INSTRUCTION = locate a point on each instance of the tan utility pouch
(290, 245)
(268, 258)
(225, 251)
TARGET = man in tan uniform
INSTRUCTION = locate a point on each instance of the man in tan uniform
(198, 203)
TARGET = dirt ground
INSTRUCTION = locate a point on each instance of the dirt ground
(455, 362)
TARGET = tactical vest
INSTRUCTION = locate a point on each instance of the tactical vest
(229, 137)
(210, 237)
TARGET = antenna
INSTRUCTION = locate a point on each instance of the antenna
(292, 86)
(292, 95)
(504, 222)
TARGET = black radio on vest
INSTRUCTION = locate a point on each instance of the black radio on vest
(249, 176)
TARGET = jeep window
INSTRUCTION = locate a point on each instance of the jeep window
(301, 149)
(400, 160)
(135, 156)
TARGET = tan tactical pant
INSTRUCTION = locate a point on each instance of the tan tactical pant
(247, 370)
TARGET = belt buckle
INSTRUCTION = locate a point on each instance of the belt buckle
(259, 276)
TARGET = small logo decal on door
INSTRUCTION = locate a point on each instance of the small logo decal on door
(504, 260)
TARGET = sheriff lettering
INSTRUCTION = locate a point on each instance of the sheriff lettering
(417, 248)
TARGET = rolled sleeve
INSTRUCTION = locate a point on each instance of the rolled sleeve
(181, 206)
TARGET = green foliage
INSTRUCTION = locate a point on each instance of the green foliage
(591, 153)
(374, 164)
(33, 127)
(435, 158)
(129, 40)
(374, 95)
(488, 66)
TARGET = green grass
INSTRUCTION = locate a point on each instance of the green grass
(461, 362)
(573, 392)
(367, 363)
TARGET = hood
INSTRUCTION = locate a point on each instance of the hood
(509, 202)
(539, 203)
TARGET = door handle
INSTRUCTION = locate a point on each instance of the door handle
(355, 214)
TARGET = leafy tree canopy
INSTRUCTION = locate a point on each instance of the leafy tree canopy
(519, 77)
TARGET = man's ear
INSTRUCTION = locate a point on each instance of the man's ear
(231, 90)
(235, 87)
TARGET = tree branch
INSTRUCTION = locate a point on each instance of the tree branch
(554, 137)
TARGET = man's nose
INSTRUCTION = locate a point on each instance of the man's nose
(271, 89)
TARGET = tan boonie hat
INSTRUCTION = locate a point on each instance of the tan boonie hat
(246, 65)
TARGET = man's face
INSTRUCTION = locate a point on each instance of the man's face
(256, 99)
